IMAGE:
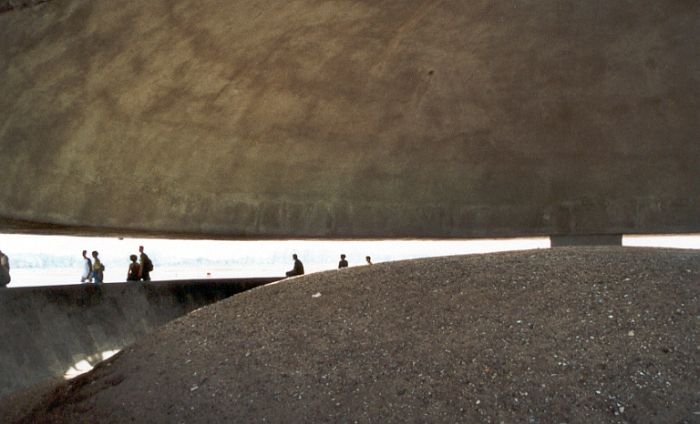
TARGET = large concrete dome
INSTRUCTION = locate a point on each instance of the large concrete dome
(350, 118)
(569, 335)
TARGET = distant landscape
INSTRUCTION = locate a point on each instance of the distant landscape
(41, 269)
(49, 260)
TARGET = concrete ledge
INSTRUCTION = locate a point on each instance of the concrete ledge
(47, 330)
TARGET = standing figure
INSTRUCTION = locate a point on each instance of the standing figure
(369, 260)
(134, 268)
(298, 267)
(98, 268)
(343, 263)
(87, 269)
(146, 265)
(4, 270)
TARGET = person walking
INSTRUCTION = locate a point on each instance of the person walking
(146, 266)
(343, 262)
(86, 276)
(4, 270)
(98, 268)
(298, 267)
(134, 268)
(369, 260)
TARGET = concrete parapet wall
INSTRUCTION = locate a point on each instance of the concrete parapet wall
(46, 330)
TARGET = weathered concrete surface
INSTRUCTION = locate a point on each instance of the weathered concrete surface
(11, 5)
(587, 240)
(47, 330)
(351, 118)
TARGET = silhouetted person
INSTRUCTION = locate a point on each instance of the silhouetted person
(343, 263)
(298, 267)
(87, 269)
(146, 265)
(97, 268)
(134, 269)
(369, 260)
(4, 270)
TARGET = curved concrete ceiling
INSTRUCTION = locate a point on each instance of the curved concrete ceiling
(350, 118)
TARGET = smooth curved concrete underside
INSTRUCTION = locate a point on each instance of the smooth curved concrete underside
(351, 118)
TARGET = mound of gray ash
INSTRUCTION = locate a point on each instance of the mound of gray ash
(575, 335)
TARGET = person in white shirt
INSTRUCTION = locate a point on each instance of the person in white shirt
(86, 277)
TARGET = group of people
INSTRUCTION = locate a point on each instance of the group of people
(140, 267)
(298, 268)
(141, 270)
(93, 270)
(344, 262)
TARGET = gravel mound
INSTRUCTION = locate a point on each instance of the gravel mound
(566, 335)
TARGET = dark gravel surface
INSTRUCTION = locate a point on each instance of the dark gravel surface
(566, 335)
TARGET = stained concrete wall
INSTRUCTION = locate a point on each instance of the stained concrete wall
(47, 330)
(11, 5)
(351, 118)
